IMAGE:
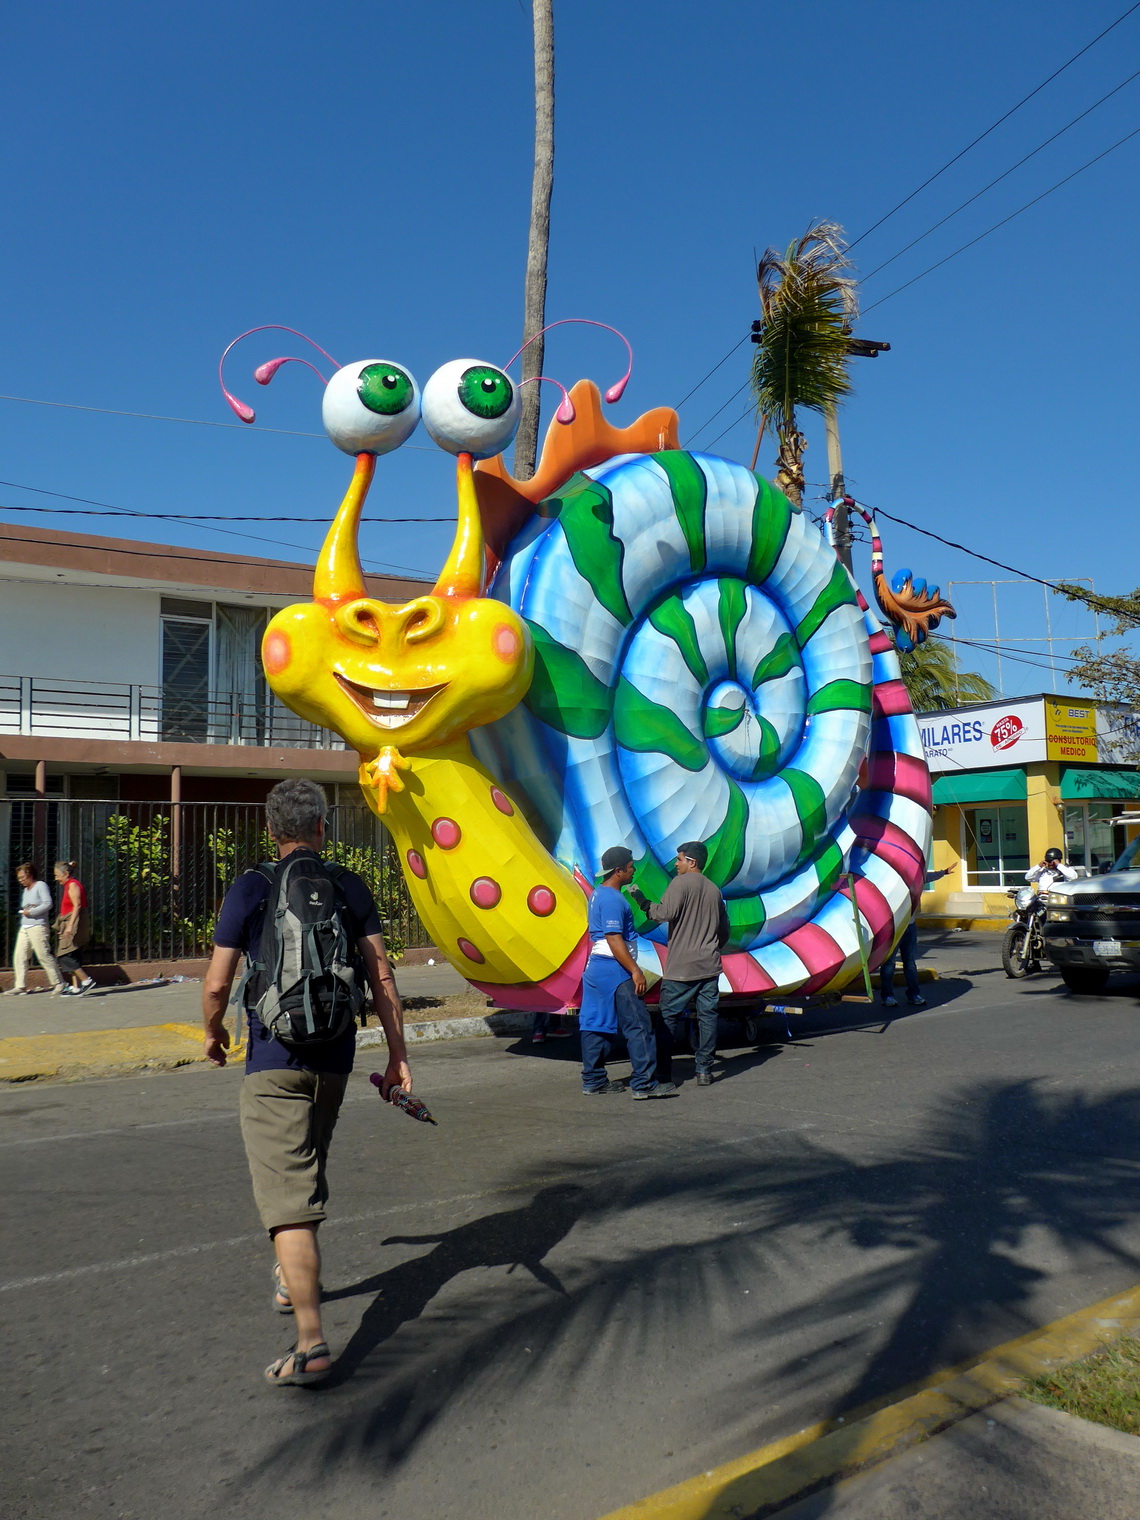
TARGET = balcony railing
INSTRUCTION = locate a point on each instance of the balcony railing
(56, 709)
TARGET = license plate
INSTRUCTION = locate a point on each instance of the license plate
(1107, 947)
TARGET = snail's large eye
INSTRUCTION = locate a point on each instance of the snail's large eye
(370, 407)
(471, 408)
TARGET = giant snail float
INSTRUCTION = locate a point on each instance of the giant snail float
(637, 645)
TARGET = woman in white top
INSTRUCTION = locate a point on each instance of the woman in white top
(33, 938)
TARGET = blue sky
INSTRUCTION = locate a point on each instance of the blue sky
(173, 175)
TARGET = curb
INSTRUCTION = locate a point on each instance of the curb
(164, 1047)
(762, 1483)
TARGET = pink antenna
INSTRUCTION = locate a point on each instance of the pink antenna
(565, 412)
(264, 373)
(615, 392)
(247, 413)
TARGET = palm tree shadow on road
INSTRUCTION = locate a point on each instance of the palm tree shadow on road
(929, 1240)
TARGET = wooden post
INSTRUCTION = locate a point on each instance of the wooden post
(39, 821)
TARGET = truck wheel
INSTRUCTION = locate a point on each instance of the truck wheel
(1083, 979)
(1015, 951)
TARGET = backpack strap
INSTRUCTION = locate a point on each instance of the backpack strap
(268, 870)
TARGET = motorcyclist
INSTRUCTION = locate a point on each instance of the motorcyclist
(1052, 869)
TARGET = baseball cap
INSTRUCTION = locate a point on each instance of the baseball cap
(616, 857)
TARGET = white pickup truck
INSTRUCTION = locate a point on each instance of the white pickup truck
(1092, 927)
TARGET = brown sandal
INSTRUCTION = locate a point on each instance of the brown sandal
(300, 1377)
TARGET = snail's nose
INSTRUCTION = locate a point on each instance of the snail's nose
(419, 620)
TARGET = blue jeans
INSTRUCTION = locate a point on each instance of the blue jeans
(636, 1027)
(907, 948)
(676, 998)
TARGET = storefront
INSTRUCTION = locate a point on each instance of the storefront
(1011, 780)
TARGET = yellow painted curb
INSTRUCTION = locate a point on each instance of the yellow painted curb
(823, 1454)
(24, 1058)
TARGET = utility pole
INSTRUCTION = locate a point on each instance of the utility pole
(861, 348)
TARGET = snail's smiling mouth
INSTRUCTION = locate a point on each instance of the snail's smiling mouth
(390, 708)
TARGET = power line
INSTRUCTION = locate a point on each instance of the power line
(11, 538)
(196, 517)
(718, 411)
(1024, 101)
(743, 416)
(712, 372)
(1039, 148)
(1090, 600)
(906, 286)
(241, 427)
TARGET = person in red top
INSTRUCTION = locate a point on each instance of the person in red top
(71, 928)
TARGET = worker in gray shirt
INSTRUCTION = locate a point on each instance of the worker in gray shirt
(698, 929)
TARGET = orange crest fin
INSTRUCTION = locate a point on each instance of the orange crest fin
(505, 503)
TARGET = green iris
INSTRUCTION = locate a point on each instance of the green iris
(484, 391)
(385, 389)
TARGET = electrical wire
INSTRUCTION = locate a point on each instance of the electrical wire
(906, 286)
(977, 196)
(712, 371)
(950, 543)
(751, 412)
(718, 411)
(241, 427)
(12, 538)
(1012, 110)
(197, 517)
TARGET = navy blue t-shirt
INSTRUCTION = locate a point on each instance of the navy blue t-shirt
(239, 928)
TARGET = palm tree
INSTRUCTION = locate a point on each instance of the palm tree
(534, 301)
(933, 681)
(808, 303)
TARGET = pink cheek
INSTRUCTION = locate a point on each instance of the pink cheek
(276, 653)
(506, 643)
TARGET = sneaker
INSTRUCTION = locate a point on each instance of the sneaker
(57, 989)
(890, 1002)
(610, 1087)
(538, 1039)
(658, 1090)
(71, 992)
(918, 1002)
(87, 985)
(16, 992)
(704, 1079)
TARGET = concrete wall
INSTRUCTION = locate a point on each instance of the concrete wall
(79, 633)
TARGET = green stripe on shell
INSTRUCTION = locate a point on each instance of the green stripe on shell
(672, 618)
(648, 728)
(838, 592)
(690, 492)
(840, 694)
(564, 692)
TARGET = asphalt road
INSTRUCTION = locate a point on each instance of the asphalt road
(552, 1305)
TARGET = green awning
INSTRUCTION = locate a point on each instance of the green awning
(1115, 785)
(981, 786)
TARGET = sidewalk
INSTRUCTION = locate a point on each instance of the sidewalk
(959, 1446)
(141, 1027)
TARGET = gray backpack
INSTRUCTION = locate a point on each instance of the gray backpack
(306, 983)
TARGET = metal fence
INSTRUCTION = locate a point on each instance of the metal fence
(46, 708)
(156, 872)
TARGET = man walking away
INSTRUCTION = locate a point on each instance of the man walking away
(32, 936)
(612, 988)
(291, 1095)
(698, 929)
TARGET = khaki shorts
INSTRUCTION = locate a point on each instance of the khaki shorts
(287, 1120)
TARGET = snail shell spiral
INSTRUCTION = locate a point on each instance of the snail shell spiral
(706, 669)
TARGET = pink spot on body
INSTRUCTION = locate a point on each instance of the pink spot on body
(505, 642)
(446, 833)
(416, 864)
(468, 949)
(502, 802)
(276, 652)
(541, 901)
(485, 893)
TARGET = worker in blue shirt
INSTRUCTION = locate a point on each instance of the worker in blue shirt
(612, 989)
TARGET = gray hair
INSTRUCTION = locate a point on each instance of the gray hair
(295, 809)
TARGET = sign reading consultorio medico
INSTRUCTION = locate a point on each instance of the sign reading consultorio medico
(1023, 732)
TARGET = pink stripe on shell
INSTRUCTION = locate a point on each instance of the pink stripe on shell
(744, 975)
(819, 953)
(904, 775)
(891, 700)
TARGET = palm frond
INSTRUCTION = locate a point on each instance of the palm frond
(808, 301)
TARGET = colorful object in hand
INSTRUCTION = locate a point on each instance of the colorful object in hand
(637, 645)
(415, 1108)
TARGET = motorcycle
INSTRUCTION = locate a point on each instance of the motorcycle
(1023, 947)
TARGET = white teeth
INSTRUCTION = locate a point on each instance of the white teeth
(389, 720)
(391, 701)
